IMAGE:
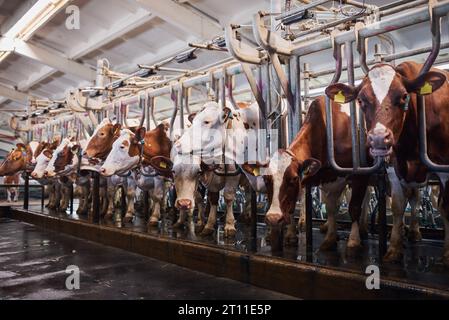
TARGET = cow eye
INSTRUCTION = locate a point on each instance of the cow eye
(206, 122)
(102, 134)
(122, 147)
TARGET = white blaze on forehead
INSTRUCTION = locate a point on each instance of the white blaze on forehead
(381, 79)
(33, 146)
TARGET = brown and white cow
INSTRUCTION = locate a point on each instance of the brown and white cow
(140, 150)
(306, 161)
(387, 96)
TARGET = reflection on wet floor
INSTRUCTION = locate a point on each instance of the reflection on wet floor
(421, 264)
(33, 266)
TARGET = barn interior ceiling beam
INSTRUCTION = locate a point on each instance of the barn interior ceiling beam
(51, 58)
(38, 15)
(98, 40)
(12, 94)
(184, 18)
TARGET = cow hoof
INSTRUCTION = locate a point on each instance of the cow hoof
(291, 240)
(199, 228)
(329, 243)
(153, 223)
(414, 236)
(393, 255)
(323, 228)
(128, 219)
(229, 232)
(207, 231)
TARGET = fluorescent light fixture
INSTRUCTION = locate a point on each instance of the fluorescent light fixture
(38, 15)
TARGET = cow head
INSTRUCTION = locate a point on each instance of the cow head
(125, 153)
(284, 175)
(384, 96)
(42, 161)
(16, 160)
(54, 168)
(100, 143)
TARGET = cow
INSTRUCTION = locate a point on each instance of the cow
(306, 161)
(42, 157)
(208, 152)
(12, 192)
(388, 98)
(142, 150)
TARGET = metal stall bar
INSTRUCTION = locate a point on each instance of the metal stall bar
(274, 42)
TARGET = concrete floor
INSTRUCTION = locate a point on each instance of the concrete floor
(33, 264)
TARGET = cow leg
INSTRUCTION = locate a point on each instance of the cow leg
(358, 194)
(398, 204)
(8, 191)
(302, 212)
(209, 228)
(111, 192)
(199, 201)
(130, 195)
(229, 196)
(363, 221)
(444, 211)
(414, 235)
(157, 197)
(291, 238)
(65, 197)
(58, 195)
(330, 193)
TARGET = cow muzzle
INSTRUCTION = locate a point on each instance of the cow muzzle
(380, 140)
(184, 204)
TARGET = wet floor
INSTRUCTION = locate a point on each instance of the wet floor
(33, 263)
(421, 264)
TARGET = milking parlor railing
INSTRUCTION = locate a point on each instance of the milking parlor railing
(275, 46)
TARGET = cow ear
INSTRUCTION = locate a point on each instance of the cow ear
(309, 168)
(140, 133)
(191, 117)
(425, 84)
(226, 113)
(116, 129)
(342, 93)
(75, 148)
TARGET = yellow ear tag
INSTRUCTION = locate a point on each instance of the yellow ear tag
(256, 172)
(340, 97)
(163, 165)
(426, 89)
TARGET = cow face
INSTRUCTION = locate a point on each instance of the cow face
(186, 173)
(42, 162)
(52, 169)
(384, 96)
(283, 177)
(125, 153)
(16, 160)
(67, 160)
(206, 132)
(100, 144)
